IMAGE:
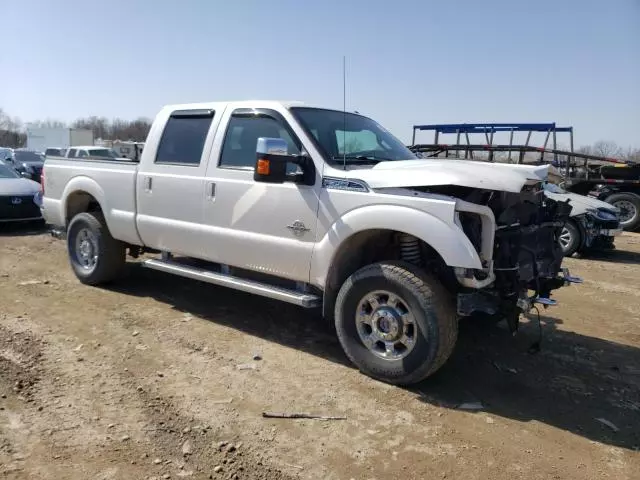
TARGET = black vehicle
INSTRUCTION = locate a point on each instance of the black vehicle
(27, 163)
(19, 197)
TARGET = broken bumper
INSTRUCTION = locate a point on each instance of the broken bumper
(490, 302)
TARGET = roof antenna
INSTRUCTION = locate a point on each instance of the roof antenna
(344, 112)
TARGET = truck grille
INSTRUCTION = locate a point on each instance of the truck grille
(16, 207)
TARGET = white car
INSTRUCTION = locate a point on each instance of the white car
(91, 151)
(593, 224)
(19, 197)
(323, 209)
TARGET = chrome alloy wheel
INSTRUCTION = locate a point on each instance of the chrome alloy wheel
(565, 238)
(86, 249)
(385, 325)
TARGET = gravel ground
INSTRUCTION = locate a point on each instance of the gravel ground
(162, 377)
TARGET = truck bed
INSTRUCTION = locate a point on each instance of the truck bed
(63, 176)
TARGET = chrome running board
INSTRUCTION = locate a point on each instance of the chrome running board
(302, 299)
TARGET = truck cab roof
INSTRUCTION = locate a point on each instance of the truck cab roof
(236, 104)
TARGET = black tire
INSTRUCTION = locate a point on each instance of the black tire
(625, 201)
(432, 308)
(109, 252)
(570, 238)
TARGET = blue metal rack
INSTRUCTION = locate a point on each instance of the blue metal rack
(489, 129)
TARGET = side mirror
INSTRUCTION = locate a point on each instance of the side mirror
(271, 160)
(24, 174)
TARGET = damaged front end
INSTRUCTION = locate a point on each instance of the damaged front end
(521, 255)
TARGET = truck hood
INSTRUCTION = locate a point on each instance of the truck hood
(18, 187)
(465, 173)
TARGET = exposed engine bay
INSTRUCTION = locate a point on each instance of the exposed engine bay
(527, 256)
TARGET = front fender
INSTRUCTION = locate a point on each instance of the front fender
(447, 239)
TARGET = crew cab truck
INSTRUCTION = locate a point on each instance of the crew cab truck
(323, 209)
(91, 151)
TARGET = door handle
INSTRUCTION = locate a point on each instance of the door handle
(211, 190)
(148, 183)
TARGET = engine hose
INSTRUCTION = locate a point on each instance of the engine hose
(410, 249)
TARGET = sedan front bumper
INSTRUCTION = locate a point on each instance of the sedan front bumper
(19, 208)
(610, 232)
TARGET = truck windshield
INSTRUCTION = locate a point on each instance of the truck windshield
(350, 138)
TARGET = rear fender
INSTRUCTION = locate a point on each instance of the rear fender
(83, 184)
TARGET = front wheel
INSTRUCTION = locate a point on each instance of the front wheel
(395, 322)
(570, 238)
(95, 256)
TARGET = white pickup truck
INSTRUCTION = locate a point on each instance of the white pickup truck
(322, 209)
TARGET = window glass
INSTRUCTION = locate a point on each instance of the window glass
(72, 153)
(82, 153)
(26, 156)
(103, 152)
(239, 149)
(353, 142)
(351, 138)
(6, 172)
(183, 140)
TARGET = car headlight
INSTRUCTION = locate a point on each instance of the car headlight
(37, 199)
(603, 214)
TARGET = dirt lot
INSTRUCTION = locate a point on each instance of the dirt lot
(155, 378)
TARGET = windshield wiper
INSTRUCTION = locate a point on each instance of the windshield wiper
(360, 159)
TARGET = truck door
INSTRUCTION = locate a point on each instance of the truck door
(268, 228)
(170, 183)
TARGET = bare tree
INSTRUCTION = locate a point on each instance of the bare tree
(48, 123)
(10, 131)
(606, 149)
(135, 130)
(586, 149)
(631, 154)
(98, 125)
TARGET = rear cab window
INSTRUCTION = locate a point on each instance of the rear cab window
(183, 138)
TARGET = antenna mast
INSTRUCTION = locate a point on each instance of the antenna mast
(344, 112)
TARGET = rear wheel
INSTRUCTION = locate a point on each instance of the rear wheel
(95, 256)
(395, 322)
(570, 238)
(629, 206)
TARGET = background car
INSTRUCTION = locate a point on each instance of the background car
(27, 163)
(593, 225)
(54, 152)
(18, 197)
(5, 154)
(93, 152)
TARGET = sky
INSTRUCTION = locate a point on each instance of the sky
(573, 62)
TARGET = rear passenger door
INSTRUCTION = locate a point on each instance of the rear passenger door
(170, 184)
